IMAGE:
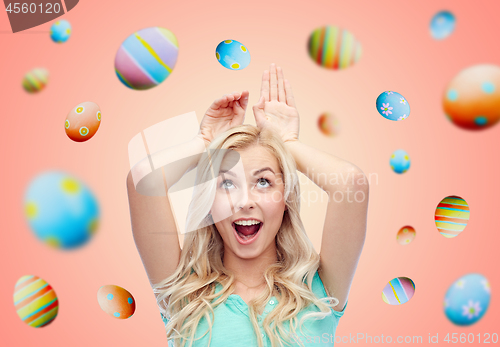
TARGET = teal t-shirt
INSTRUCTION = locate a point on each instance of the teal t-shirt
(232, 326)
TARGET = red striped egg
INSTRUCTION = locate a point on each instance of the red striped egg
(451, 216)
(35, 301)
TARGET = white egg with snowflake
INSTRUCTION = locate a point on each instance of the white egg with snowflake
(467, 300)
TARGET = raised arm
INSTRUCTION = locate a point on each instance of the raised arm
(346, 185)
(153, 223)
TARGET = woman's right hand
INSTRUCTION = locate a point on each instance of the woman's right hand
(224, 114)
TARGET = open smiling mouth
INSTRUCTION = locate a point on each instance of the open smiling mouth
(246, 233)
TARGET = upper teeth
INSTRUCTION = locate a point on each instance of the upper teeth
(247, 222)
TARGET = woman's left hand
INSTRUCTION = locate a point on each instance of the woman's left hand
(276, 107)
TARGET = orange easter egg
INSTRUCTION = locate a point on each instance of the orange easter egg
(116, 301)
(405, 235)
(328, 124)
(472, 98)
(83, 121)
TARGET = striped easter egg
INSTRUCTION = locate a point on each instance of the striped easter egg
(35, 301)
(35, 80)
(451, 216)
(333, 48)
(398, 291)
(146, 58)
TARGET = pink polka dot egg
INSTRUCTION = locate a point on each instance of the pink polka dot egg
(116, 301)
(83, 121)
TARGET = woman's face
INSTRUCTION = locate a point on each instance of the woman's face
(249, 187)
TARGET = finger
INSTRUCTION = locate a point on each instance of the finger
(239, 113)
(290, 101)
(217, 103)
(225, 100)
(281, 85)
(229, 99)
(264, 89)
(236, 95)
(274, 83)
(258, 111)
(244, 99)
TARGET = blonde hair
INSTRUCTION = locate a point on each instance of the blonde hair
(185, 297)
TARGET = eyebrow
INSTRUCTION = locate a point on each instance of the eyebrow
(255, 173)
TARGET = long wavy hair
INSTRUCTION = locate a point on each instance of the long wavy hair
(185, 296)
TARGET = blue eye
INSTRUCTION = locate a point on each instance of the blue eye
(266, 181)
(230, 183)
(223, 182)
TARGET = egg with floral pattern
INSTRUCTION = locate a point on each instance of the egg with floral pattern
(83, 121)
(116, 301)
(393, 106)
(467, 300)
(232, 54)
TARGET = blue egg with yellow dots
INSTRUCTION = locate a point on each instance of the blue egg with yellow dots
(393, 106)
(61, 210)
(232, 54)
(60, 31)
(400, 161)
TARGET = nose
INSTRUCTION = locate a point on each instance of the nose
(244, 199)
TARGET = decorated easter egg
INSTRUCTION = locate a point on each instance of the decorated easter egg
(400, 161)
(35, 301)
(393, 106)
(405, 235)
(232, 54)
(328, 124)
(451, 216)
(333, 48)
(116, 301)
(398, 291)
(146, 58)
(60, 31)
(35, 80)
(472, 98)
(467, 300)
(442, 25)
(61, 210)
(83, 121)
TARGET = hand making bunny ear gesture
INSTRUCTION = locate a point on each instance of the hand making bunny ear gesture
(276, 106)
(224, 113)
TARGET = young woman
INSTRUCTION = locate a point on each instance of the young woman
(247, 274)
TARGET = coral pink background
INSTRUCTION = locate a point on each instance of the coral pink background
(398, 54)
